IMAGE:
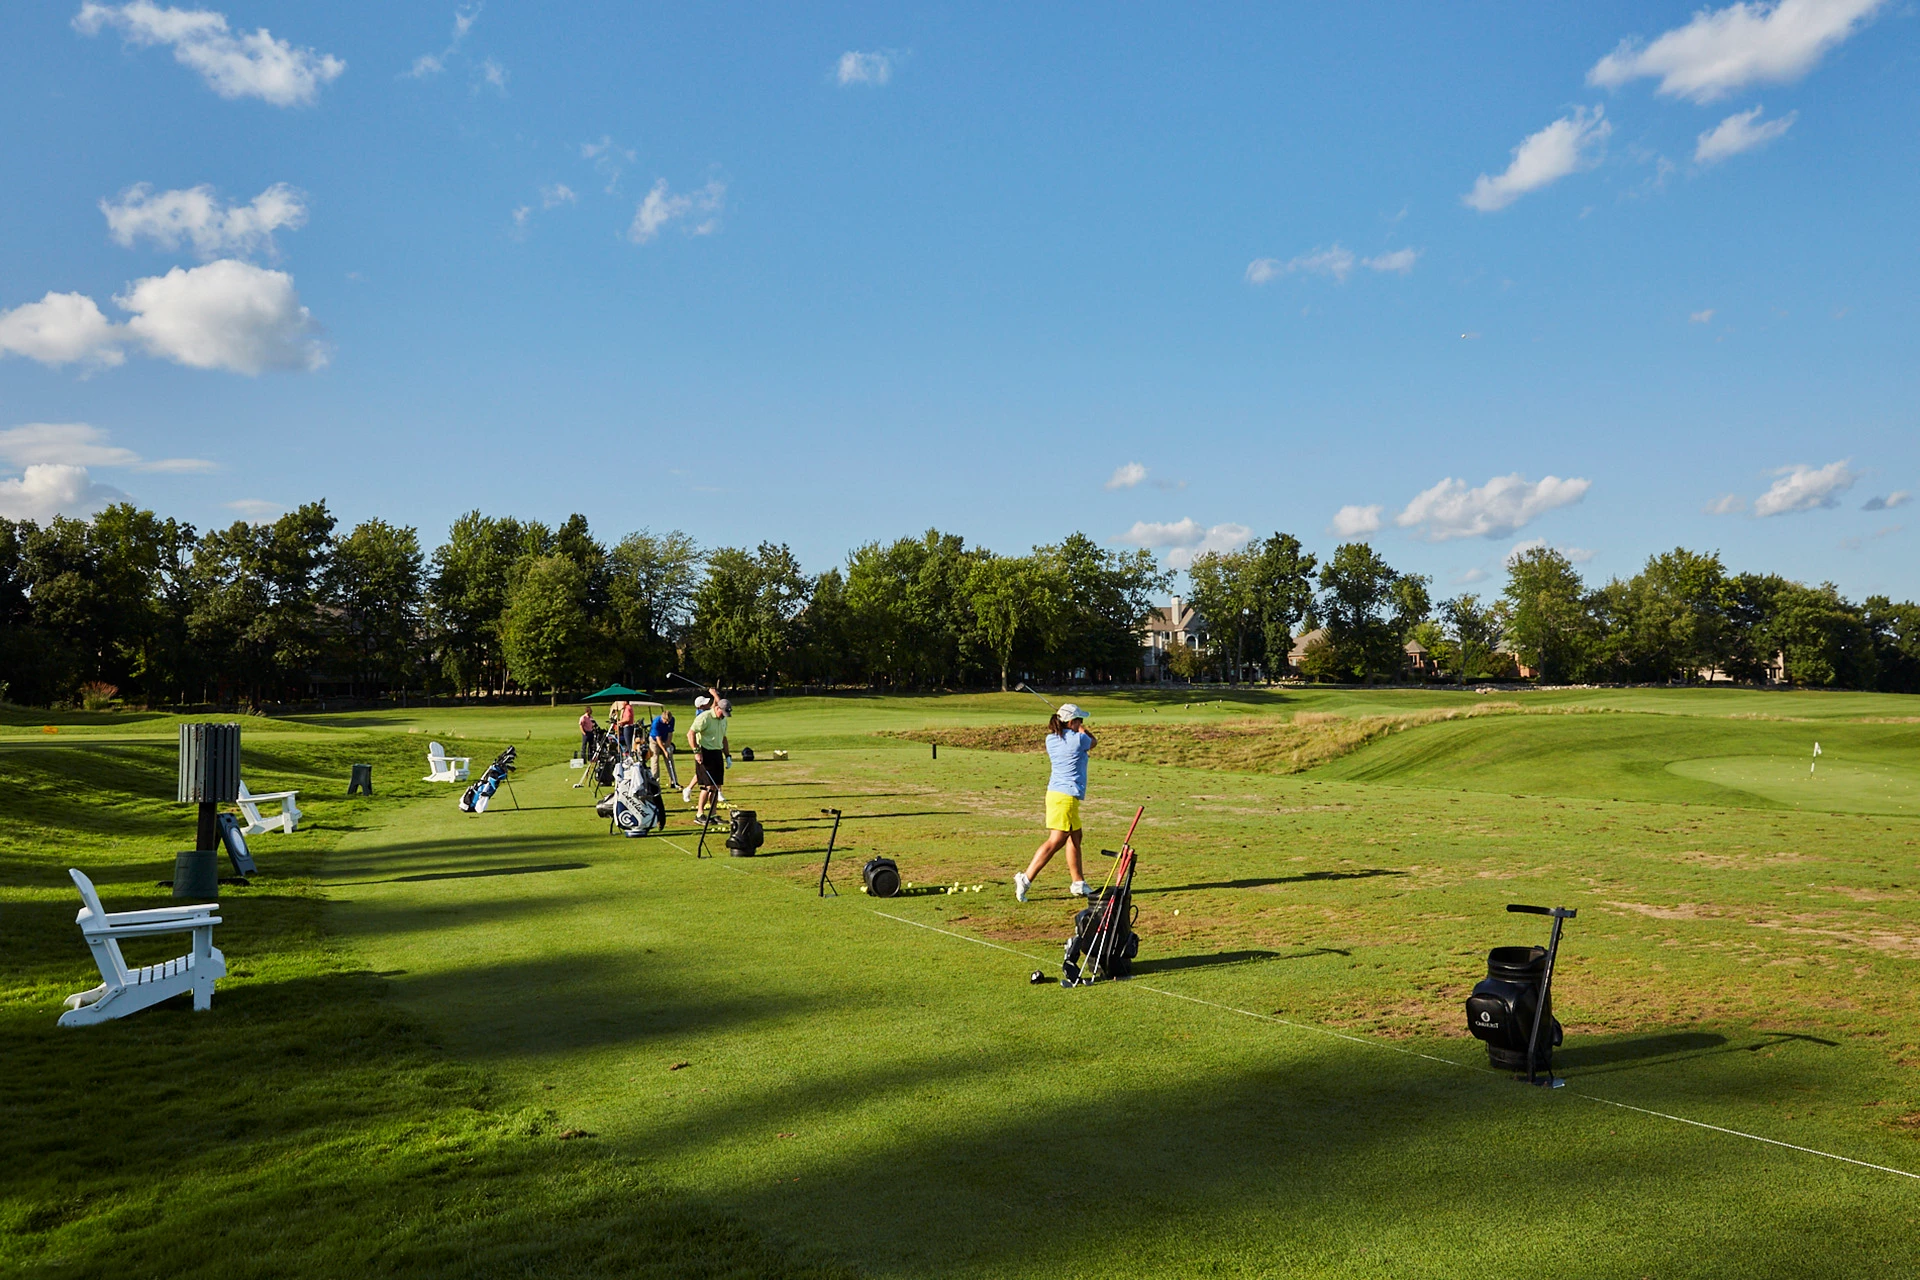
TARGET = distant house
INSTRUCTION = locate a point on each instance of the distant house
(1419, 661)
(1175, 625)
(1301, 644)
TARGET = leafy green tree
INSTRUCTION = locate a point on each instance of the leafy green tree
(1366, 610)
(651, 584)
(1013, 602)
(1550, 626)
(1282, 594)
(544, 631)
(257, 598)
(1478, 629)
(1670, 620)
(1895, 629)
(467, 594)
(913, 616)
(374, 581)
(825, 629)
(1103, 599)
(746, 614)
(1825, 639)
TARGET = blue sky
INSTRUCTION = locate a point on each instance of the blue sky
(1450, 278)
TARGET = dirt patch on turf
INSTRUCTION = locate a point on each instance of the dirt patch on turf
(1308, 740)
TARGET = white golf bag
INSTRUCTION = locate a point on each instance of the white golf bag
(635, 807)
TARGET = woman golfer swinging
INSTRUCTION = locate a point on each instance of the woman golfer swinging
(1067, 747)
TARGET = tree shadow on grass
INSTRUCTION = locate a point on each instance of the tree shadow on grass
(1634, 1053)
(1172, 964)
(1261, 882)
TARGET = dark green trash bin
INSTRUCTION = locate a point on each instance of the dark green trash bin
(362, 779)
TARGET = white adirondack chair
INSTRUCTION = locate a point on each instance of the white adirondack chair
(249, 804)
(442, 767)
(123, 990)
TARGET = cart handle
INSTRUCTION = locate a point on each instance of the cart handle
(1558, 913)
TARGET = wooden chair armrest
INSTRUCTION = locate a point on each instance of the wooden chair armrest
(117, 918)
(158, 926)
(272, 795)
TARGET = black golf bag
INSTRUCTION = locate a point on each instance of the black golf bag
(745, 834)
(474, 799)
(1103, 943)
(1501, 1009)
(635, 807)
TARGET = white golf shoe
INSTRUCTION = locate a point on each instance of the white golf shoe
(1020, 885)
(1078, 889)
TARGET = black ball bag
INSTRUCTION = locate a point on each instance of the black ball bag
(745, 834)
(882, 877)
(1501, 1009)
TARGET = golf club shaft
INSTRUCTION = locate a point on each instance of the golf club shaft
(1027, 688)
(1546, 994)
(693, 684)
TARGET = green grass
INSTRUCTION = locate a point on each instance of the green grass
(423, 1001)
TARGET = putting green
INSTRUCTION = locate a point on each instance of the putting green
(1838, 785)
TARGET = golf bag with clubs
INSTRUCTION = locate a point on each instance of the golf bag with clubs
(474, 799)
(635, 807)
(603, 753)
(745, 835)
(1103, 943)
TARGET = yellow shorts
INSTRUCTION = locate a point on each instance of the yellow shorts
(1063, 812)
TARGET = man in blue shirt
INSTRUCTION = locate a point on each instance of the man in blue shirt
(1068, 743)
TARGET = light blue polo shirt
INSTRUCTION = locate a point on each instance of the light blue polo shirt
(1068, 751)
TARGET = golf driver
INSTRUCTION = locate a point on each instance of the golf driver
(694, 684)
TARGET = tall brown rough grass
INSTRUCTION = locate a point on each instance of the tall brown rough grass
(1309, 739)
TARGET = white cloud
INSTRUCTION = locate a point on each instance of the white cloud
(1354, 521)
(46, 490)
(1400, 260)
(76, 444)
(1186, 539)
(557, 194)
(662, 207)
(432, 64)
(234, 66)
(1724, 50)
(521, 214)
(493, 75)
(1126, 476)
(1803, 488)
(1501, 506)
(1701, 317)
(80, 444)
(1898, 498)
(195, 215)
(225, 315)
(1471, 576)
(1725, 505)
(254, 510)
(874, 68)
(1568, 145)
(1577, 555)
(1738, 133)
(61, 328)
(1337, 262)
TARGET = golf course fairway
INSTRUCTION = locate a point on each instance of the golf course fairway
(513, 1044)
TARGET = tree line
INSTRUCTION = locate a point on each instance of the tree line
(150, 610)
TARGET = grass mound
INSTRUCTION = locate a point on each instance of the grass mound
(1308, 740)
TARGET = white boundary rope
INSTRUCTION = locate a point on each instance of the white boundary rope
(1414, 1053)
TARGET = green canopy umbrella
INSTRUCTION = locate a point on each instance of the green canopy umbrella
(612, 692)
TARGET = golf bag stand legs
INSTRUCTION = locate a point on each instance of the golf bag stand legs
(832, 836)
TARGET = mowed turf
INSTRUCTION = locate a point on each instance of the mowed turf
(1285, 1089)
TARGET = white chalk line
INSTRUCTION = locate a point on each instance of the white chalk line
(1414, 1053)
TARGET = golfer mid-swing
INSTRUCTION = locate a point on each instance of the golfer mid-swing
(1067, 747)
